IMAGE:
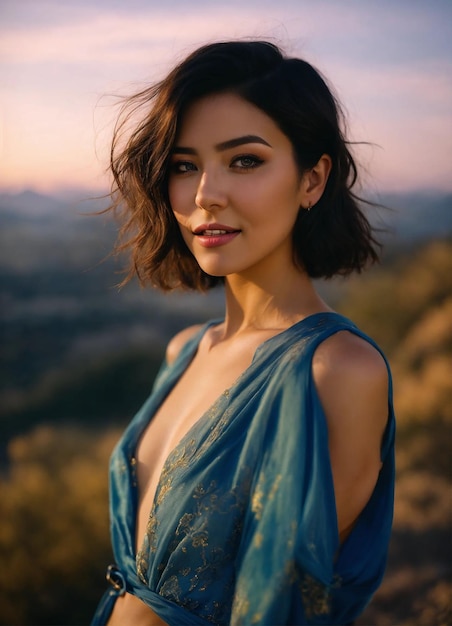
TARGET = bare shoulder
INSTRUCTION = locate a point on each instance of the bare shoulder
(178, 342)
(352, 380)
(347, 359)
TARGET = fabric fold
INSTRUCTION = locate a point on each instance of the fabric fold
(243, 529)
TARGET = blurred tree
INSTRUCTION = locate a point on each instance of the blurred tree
(388, 300)
(407, 308)
(105, 390)
(54, 536)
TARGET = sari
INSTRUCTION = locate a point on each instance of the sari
(243, 526)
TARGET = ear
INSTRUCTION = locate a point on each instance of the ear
(313, 182)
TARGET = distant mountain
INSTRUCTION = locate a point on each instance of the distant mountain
(39, 230)
(421, 215)
(32, 205)
(28, 202)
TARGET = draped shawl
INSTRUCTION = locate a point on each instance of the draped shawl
(243, 526)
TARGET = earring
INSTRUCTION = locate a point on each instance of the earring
(309, 207)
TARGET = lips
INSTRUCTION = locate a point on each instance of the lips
(209, 232)
(214, 235)
(213, 230)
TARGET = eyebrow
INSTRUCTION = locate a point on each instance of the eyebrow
(226, 145)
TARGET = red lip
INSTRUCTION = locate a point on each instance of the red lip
(215, 240)
(214, 234)
(200, 230)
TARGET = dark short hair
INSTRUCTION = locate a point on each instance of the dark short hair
(335, 237)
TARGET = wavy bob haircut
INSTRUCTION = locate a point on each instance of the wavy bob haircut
(334, 237)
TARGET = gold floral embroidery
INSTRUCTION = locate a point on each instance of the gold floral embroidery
(150, 530)
(148, 548)
(178, 459)
(217, 427)
(258, 539)
(256, 502)
(316, 597)
(163, 490)
(207, 563)
(240, 606)
(184, 523)
(171, 587)
(260, 495)
(189, 562)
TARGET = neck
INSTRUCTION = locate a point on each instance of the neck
(269, 301)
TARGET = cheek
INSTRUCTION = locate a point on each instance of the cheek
(178, 189)
(181, 216)
(176, 199)
(275, 197)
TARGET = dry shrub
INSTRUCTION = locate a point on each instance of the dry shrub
(54, 536)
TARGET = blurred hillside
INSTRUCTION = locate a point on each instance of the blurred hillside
(73, 344)
(79, 356)
(407, 307)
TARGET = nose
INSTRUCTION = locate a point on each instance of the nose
(210, 195)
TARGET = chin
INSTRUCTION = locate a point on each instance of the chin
(213, 272)
(213, 269)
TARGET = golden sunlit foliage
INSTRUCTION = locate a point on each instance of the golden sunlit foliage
(54, 535)
(407, 308)
(388, 302)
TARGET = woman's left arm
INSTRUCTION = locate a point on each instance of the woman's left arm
(351, 378)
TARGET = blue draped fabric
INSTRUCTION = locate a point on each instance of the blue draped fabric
(243, 527)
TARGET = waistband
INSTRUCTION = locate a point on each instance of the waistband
(122, 582)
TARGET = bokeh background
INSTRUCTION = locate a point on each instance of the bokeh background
(78, 355)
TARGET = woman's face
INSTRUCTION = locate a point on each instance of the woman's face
(234, 187)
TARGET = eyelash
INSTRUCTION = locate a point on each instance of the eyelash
(177, 165)
(253, 160)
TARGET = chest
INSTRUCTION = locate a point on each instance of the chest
(205, 380)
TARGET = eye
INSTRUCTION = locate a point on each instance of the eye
(246, 162)
(182, 167)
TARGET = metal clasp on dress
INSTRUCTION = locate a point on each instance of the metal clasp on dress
(116, 579)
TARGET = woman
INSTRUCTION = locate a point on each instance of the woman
(255, 486)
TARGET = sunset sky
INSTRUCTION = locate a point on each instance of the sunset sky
(61, 61)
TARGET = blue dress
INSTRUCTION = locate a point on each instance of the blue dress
(243, 527)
